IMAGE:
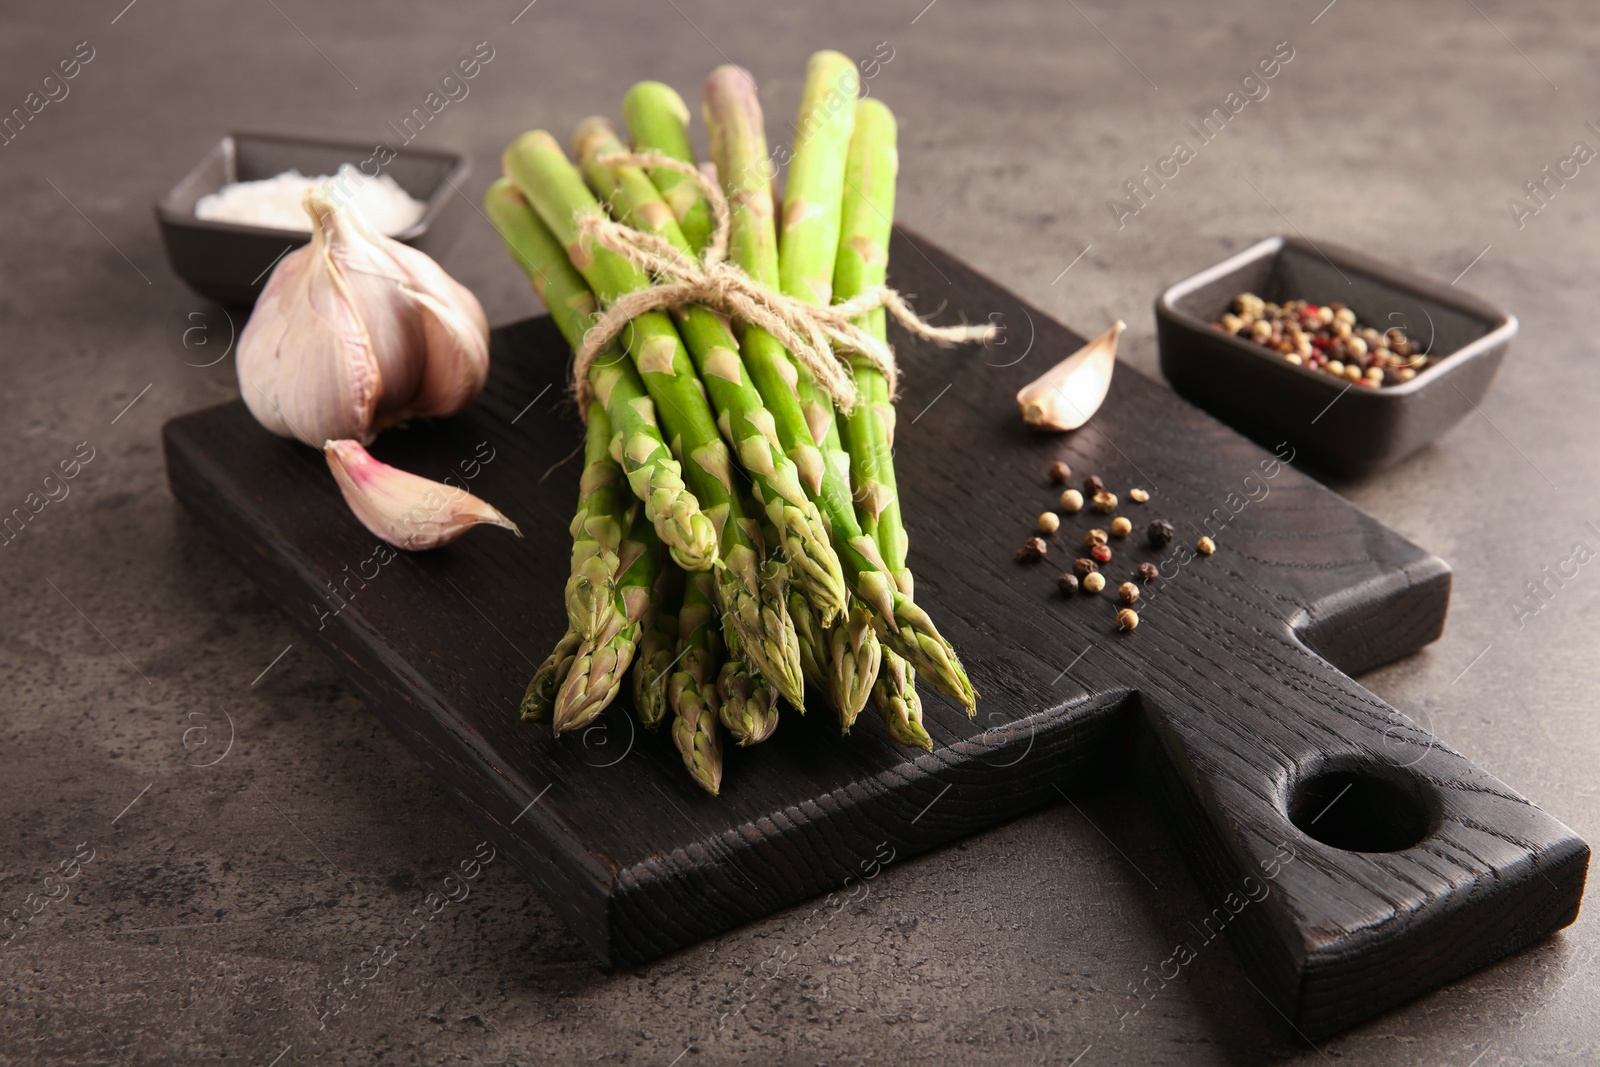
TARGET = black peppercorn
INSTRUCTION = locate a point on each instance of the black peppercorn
(1060, 472)
(1148, 572)
(1084, 567)
(1068, 583)
(1093, 485)
(1160, 533)
(1032, 550)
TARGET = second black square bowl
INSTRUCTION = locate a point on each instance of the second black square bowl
(1347, 431)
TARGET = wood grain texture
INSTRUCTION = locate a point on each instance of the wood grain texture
(1218, 701)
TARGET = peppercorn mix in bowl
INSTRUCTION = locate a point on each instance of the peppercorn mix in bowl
(1356, 364)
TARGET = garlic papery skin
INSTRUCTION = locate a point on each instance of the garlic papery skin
(407, 511)
(1067, 395)
(355, 332)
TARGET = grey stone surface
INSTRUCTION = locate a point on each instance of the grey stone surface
(222, 901)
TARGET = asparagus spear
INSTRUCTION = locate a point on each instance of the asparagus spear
(805, 269)
(692, 691)
(866, 221)
(658, 120)
(749, 705)
(556, 191)
(864, 229)
(739, 149)
(813, 642)
(854, 656)
(733, 116)
(540, 698)
(590, 592)
(896, 698)
(658, 649)
(596, 533)
(596, 674)
(811, 208)
(741, 414)
(655, 477)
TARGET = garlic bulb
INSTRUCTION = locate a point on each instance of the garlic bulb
(407, 511)
(356, 332)
(1068, 394)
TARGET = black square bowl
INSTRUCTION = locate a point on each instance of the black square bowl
(1345, 430)
(229, 262)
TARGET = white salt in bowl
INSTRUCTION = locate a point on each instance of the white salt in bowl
(229, 262)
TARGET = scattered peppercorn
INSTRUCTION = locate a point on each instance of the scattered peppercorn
(1093, 582)
(1093, 485)
(1068, 582)
(1127, 619)
(1138, 496)
(1160, 533)
(1032, 550)
(1071, 501)
(1094, 537)
(1121, 527)
(1100, 553)
(1148, 572)
(1106, 502)
(1327, 339)
(1049, 522)
(1059, 473)
(1128, 592)
(1084, 567)
(1206, 546)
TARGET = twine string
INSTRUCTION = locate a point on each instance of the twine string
(822, 338)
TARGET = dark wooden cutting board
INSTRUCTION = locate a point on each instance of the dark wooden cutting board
(1353, 859)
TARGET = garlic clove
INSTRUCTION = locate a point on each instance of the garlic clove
(458, 358)
(405, 510)
(1067, 395)
(306, 364)
(370, 283)
(454, 334)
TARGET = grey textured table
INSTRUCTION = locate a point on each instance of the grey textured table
(231, 886)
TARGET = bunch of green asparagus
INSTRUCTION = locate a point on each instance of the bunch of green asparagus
(736, 538)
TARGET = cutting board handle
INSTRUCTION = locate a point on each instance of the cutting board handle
(1356, 861)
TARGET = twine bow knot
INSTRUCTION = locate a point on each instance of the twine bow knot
(820, 337)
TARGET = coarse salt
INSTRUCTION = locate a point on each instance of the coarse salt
(276, 202)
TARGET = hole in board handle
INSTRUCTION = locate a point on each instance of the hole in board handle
(1360, 809)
